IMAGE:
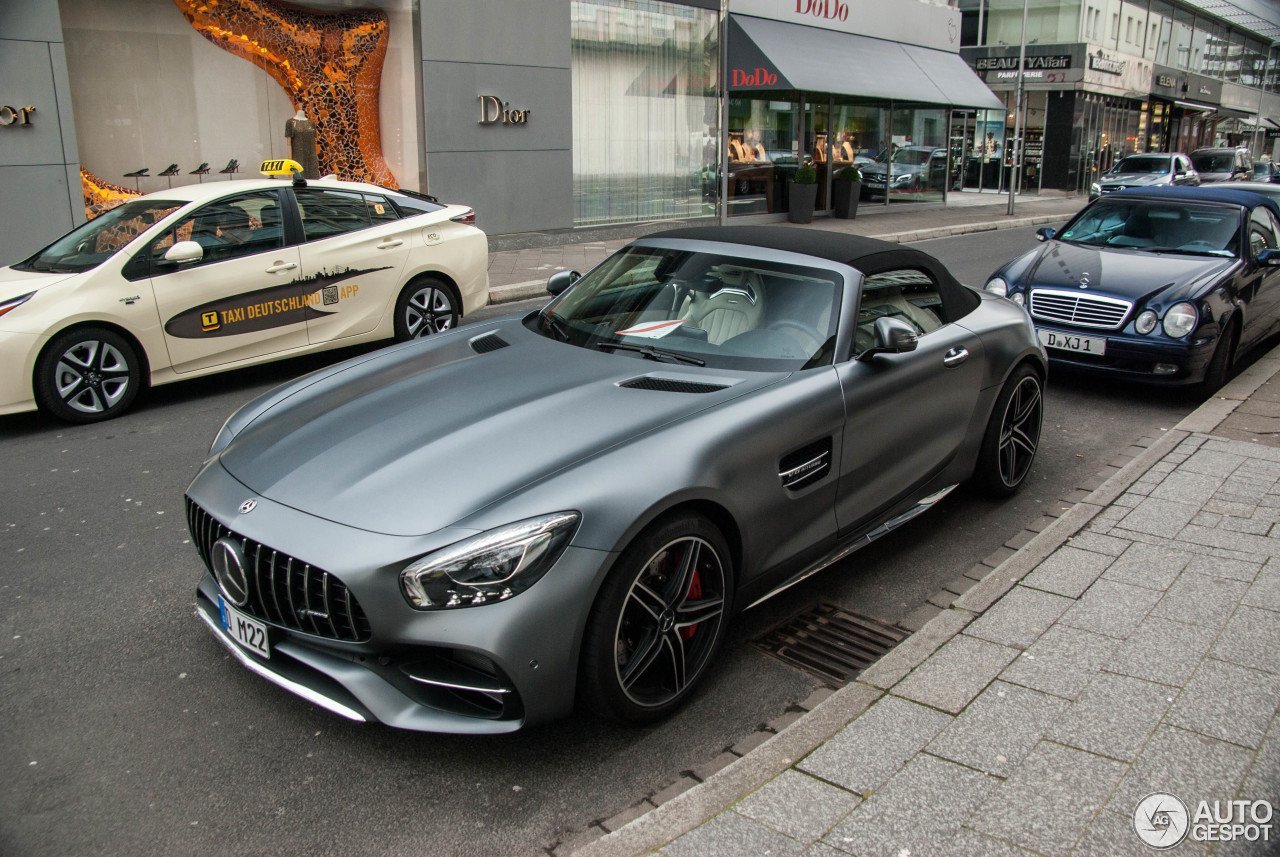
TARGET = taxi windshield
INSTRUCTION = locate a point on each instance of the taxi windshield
(89, 245)
(701, 309)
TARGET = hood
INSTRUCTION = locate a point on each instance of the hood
(14, 282)
(1128, 274)
(422, 436)
(1134, 179)
(877, 169)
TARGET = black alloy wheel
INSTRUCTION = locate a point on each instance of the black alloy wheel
(425, 306)
(1222, 361)
(1013, 434)
(87, 375)
(658, 621)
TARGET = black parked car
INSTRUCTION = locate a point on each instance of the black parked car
(1166, 285)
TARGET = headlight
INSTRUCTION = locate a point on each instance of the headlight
(223, 438)
(997, 286)
(1146, 322)
(905, 178)
(492, 566)
(1180, 320)
(1095, 189)
(14, 303)
(1018, 298)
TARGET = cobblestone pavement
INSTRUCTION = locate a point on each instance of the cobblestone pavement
(1131, 648)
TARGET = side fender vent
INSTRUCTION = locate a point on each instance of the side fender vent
(488, 342)
(670, 385)
(805, 465)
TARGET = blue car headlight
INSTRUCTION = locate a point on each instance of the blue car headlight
(493, 566)
(1180, 320)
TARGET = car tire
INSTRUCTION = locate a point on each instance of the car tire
(1013, 434)
(426, 306)
(657, 622)
(87, 374)
(1221, 363)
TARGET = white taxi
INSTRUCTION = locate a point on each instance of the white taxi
(209, 277)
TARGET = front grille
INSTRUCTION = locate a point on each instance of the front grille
(1079, 309)
(670, 385)
(285, 591)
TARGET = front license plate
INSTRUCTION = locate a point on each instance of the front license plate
(248, 632)
(1071, 342)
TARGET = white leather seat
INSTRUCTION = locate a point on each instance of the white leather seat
(736, 307)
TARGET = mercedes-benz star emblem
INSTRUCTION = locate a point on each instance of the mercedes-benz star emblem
(1084, 280)
(227, 558)
(248, 506)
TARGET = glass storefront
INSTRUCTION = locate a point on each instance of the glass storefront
(646, 126)
(764, 152)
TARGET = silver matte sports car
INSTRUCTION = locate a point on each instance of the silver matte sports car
(468, 533)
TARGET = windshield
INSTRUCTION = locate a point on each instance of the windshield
(1214, 162)
(681, 306)
(913, 156)
(1143, 164)
(92, 243)
(1158, 226)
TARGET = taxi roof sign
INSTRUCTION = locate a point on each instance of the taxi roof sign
(280, 167)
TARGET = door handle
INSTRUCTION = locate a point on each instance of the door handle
(281, 266)
(955, 356)
(389, 243)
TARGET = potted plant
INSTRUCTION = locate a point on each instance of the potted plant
(845, 192)
(804, 193)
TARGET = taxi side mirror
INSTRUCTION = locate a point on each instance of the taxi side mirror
(184, 252)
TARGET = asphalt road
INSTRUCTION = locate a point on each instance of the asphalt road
(129, 731)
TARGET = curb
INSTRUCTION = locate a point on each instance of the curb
(538, 288)
(722, 789)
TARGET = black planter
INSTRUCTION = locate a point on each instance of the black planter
(802, 199)
(844, 196)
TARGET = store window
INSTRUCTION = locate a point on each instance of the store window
(764, 152)
(645, 111)
(1046, 23)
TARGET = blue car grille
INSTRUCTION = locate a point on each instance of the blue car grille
(1079, 309)
(283, 590)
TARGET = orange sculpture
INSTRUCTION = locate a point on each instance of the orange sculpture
(330, 64)
(100, 196)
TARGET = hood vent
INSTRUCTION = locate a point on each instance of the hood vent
(488, 342)
(670, 385)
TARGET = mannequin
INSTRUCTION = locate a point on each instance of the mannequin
(301, 133)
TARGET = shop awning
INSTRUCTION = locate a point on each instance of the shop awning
(817, 60)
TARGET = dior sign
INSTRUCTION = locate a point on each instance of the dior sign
(495, 111)
(16, 115)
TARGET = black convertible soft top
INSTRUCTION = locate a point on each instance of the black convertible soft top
(868, 255)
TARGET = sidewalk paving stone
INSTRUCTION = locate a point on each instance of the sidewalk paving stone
(1049, 801)
(1214, 537)
(1227, 701)
(1251, 639)
(1265, 590)
(1195, 488)
(1062, 662)
(732, 835)
(923, 804)
(956, 673)
(1156, 517)
(999, 728)
(798, 805)
(870, 749)
(1111, 608)
(1068, 571)
(1163, 651)
(1213, 460)
(1181, 763)
(969, 843)
(1198, 599)
(1114, 716)
(1233, 569)
(1019, 618)
(1099, 543)
(1112, 835)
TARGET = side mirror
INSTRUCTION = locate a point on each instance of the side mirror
(893, 336)
(184, 252)
(1269, 258)
(1044, 233)
(561, 280)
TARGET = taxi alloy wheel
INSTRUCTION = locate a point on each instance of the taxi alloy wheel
(425, 307)
(87, 375)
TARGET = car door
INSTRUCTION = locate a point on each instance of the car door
(239, 301)
(1260, 285)
(906, 414)
(356, 246)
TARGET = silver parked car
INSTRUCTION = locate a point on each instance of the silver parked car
(1152, 169)
(470, 532)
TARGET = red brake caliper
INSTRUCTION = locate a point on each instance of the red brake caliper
(695, 592)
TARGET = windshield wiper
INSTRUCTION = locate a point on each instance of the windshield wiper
(1181, 252)
(551, 321)
(652, 353)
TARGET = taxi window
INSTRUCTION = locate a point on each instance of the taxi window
(229, 228)
(380, 210)
(326, 213)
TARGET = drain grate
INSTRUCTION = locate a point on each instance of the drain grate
(831, 642)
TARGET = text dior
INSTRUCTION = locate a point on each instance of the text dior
(831, 10)
(758, 77)
(494, 110)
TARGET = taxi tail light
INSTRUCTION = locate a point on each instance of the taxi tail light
(468, 217)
